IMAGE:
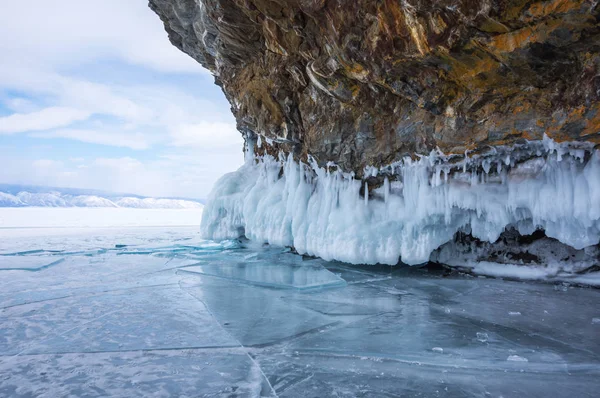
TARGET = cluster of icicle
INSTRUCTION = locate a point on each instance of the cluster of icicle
(421, 205)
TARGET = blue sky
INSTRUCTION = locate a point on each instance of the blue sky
(93, 95)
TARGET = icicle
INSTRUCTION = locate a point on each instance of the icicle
(249, 153)
(486, 166)
(321, 214)
(386, 189)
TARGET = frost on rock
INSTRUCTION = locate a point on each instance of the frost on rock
(418, 207)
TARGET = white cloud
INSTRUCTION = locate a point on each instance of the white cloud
(145, 108)
(59, 32)
(206, 135)
(42, 40)
(45, 119)
(101, 99)
(180, 173)
(184, 139)
(64, 91)
(119, 164)
(20, 105)
(136, 140)
(42, 164)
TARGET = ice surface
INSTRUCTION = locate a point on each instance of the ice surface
(74, 217)
(274, 275)
(320, 211)
(120, 317)
(33, 264)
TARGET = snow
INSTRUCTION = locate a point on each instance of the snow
(152, 203)
(513, 270)
(58, 199)
(91, 201)
(15, 220)
(516, 358)
(320, 211)
(540, 259)
(50, 199)
(8, 200)
(482, 337)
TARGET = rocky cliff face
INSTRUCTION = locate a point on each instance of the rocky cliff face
(367, 82)
(372, 86)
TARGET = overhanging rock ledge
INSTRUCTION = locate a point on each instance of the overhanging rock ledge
(365, 84)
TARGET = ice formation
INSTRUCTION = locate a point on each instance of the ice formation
(420, 206)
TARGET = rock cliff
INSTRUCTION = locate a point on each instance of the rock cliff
(464, 132)
(367, 82)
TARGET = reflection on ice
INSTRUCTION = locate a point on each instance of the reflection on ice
(273, 275)
(203, 247)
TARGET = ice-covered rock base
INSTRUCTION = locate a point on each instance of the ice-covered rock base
(418, 206)
(528, 257)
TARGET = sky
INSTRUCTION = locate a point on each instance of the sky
(93, 95)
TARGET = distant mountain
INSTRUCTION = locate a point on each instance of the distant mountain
(29, 196)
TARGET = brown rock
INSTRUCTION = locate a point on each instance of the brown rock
(365, 82)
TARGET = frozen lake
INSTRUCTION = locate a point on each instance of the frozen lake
(149, 309)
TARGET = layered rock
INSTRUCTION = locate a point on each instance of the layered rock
(365, 82)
